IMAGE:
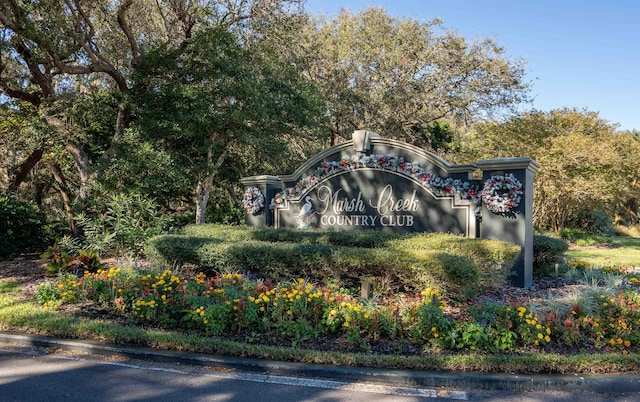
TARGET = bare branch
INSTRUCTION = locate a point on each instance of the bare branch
(124, 25)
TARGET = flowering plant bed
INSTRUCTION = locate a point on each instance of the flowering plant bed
(237, 306)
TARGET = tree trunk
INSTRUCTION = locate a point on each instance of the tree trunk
(86, 174)
(233, 197)
(334, 135)
(63, 189)
(203, 188)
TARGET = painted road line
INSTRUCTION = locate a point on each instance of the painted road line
(303, 382)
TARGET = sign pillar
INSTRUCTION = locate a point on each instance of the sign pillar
(268, 186)
(516, 226)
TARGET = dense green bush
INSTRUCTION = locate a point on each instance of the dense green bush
(493, 258)
(413, 262)
(547, 251)
(124, 223)
(595, 222)
(366, 239)
(409, 270)
(21, 228)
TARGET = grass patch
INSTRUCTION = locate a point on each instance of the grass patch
(9, 286)
(616, 250)
(16, 315)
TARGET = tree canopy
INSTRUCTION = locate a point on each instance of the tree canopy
(395, 76)
(585, 164)
(211, 101)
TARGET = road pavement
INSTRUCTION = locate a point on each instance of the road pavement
(44, 369)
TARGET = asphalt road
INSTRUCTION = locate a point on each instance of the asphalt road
(46, 374)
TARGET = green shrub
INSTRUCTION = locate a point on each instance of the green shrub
(176, 249)
(547, 251)
(493, 258)
(596, 222)
(366, 239)
(124, 224)
(21, 228)
(322, 256)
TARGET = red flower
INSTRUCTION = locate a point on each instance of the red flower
(344, 162)
(326, 166)
(472, 192)
(402, 165)
(447, 189)
(382, 160)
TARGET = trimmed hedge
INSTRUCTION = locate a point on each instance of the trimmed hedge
(410, 262)
(547, 250)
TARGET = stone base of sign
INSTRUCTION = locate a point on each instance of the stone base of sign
(379, 183)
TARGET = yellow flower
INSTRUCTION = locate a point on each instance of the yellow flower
(540, 336)
(346, 324)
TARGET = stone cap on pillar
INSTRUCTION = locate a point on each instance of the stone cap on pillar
(508, 164)
(263, 179)
(362, 140)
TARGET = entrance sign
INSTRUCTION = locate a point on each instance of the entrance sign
(377, 183)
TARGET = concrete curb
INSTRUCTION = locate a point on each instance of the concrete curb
(493, 382)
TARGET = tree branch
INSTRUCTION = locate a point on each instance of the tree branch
(122, 21)
(23, 170)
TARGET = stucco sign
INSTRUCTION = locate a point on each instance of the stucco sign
(377, 183)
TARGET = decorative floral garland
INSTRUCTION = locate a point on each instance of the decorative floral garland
(253, 200)
(502, 193)
(448, 186)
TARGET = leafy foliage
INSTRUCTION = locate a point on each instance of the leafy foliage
(396, 76)
(547, 251)
(585, 165)
(229, 104)
(125, 224)
(21, 228)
